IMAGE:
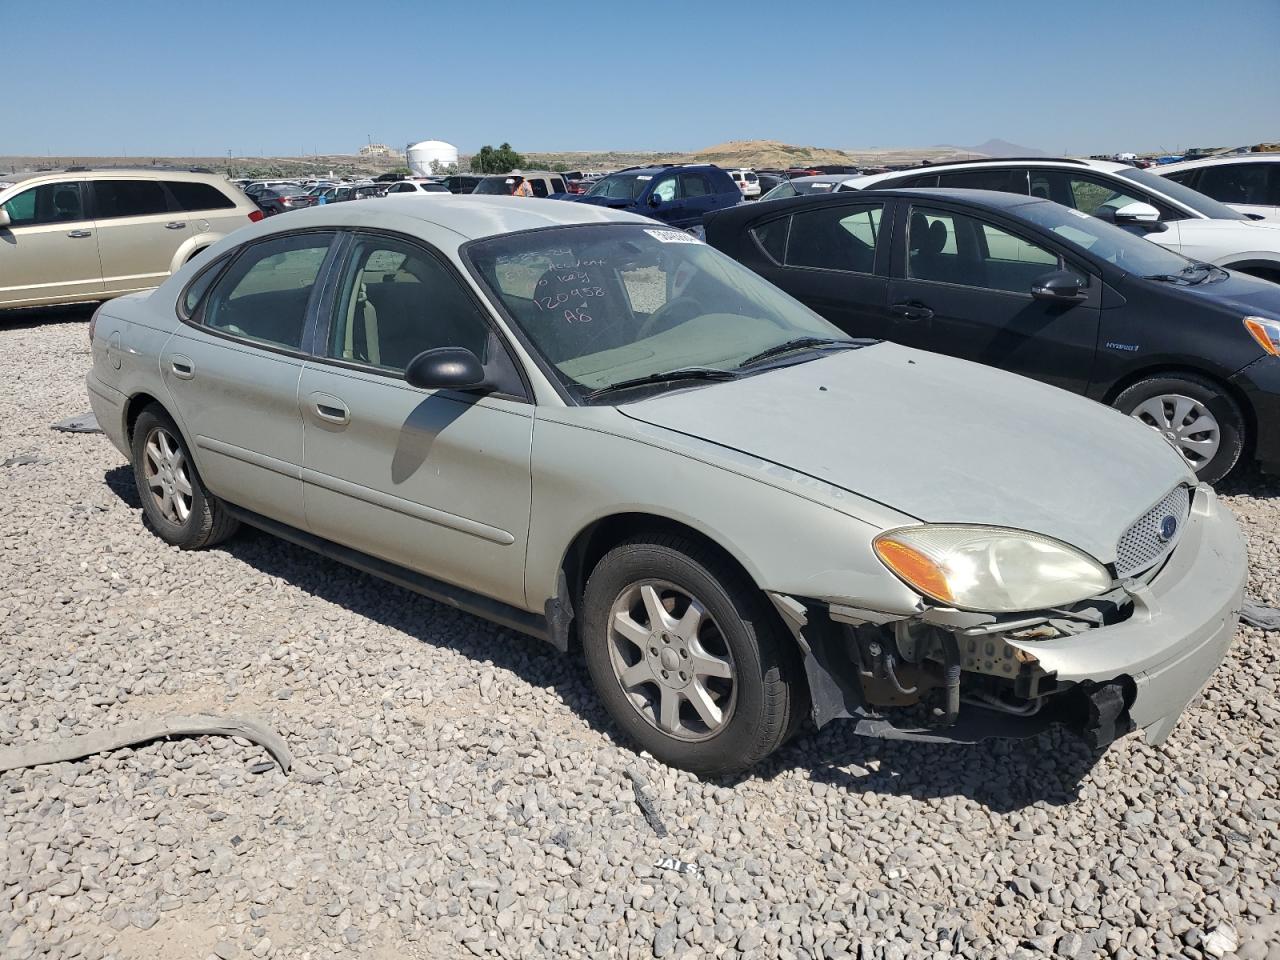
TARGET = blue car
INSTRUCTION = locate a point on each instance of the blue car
(679, 195)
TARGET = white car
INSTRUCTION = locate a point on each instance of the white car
(417, 186)
(823, 183)
(747, 181)
(1248, 182)
(1167, 212)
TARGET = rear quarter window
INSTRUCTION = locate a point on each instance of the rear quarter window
(193, 196)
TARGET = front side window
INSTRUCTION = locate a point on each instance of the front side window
(605, 304)
(948, 247)
(1105, 241)
(263, 295)
(665, 189)
(192, 195)
(48, 203)
(396, 301)
(835, 237)
(128, 198)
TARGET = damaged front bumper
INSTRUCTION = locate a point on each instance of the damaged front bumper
(1132, 659)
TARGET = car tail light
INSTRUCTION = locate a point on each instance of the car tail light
(255, 216)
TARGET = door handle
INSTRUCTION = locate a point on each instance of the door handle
(182, 367)
(330, 408)
(80, 234)
(911, 311)
(174, 225)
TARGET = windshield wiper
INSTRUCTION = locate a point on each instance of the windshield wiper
(1185, 274)
(669, 376)
(800, 343)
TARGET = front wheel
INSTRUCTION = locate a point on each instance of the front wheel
(1194, 414)
(687, 656)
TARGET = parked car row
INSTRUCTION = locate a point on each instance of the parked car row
(595, 429)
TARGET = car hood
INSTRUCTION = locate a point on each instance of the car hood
(941, 440)
(1246, 236)
(1239, 294)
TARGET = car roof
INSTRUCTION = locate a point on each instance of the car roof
(1103, 166)
(111, 173)
(666, 168)
(827, 178)
(1216, 161)
(470, 216)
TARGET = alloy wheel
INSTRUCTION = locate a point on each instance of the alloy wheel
(671, 660)
(1184, 422)
(164, 468)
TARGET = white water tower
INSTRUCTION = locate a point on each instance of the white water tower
(421, 156)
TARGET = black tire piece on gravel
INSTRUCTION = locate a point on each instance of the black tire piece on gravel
(209, 522)
(771, 693)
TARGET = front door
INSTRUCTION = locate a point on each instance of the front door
(962, 286)
(233, 373)
(437, 481)
(138, 234)
(829, 264)
(49, 250)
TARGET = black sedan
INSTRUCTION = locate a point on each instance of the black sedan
(1042, 290)
(273, 200)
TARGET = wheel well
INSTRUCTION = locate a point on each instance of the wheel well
(137, 403)
(601, 536)
(1173, 370)
(195, 253)
(1263, 269)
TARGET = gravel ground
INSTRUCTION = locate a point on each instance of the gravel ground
(475, 803)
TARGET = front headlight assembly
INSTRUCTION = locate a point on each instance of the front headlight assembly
(990, 569)
(1266, 332)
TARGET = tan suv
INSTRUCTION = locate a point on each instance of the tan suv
(83, 235)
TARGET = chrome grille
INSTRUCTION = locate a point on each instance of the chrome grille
(1142, 544)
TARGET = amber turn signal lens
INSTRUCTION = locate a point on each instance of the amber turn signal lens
(915, 568)
(1258, 328)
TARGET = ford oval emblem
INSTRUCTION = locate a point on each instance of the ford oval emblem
(1168, 527)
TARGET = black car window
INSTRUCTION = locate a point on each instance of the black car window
(192, 195)
(947, 247)
(1096, 195)
(1004, 179)
(835, 237)
(772, 237)
(263, 295)
(1185, 177)
(557, 185)
(539, 186)
(693, 185)
(47, 203)
(1241, 183)
(396, 301)
(128, 198)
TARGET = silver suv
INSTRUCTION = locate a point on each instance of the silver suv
(79, 235)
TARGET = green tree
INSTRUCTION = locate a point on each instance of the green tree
(501, 160)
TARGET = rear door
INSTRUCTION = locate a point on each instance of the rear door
(233, 368)
(138, 233)
(697, 194)
(205, 207)
(49, 250)
(962, 286)
(833, 258)
(434, 480)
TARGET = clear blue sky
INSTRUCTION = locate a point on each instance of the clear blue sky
(184, 77)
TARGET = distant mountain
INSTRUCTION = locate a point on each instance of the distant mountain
(1003, 148)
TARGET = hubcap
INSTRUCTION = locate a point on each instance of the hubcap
(164, 467)
(671, 660)
(1185, 423)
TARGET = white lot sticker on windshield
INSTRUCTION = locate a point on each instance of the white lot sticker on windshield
(672, 236)
(644, 178)
(1079, 213)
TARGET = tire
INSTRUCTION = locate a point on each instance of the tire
(1172, 403)
(738, 634)
(175, 503)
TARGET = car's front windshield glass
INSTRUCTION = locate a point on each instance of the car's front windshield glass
(611, 303)
(1197, 201)
(1111, 243)
(621, 186)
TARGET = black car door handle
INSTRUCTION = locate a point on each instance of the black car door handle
(911, 311)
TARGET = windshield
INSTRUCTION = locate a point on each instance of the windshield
(607, 304)
(498, 185)
(1107, 241)
(1197, 201)
(621, 186)
(781, 191)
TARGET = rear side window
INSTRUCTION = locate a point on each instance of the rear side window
(198, 196)
(693, 185)
(263, 295)
(195, 291)
(128, 198)
(772, 237)
(557, 185)
(539, 186)
(49, 203)
(835, 237)
(1006, 180)
(1242, 183)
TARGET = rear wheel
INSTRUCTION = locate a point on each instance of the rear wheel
(688, 658)
(175, 502)
(1194, 414)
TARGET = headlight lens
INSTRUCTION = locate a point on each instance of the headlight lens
(992, 569)
(1266, 332)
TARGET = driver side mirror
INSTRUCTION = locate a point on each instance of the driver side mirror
(1060, 286)
(447, 368)
(655, 200)
(4, 217)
